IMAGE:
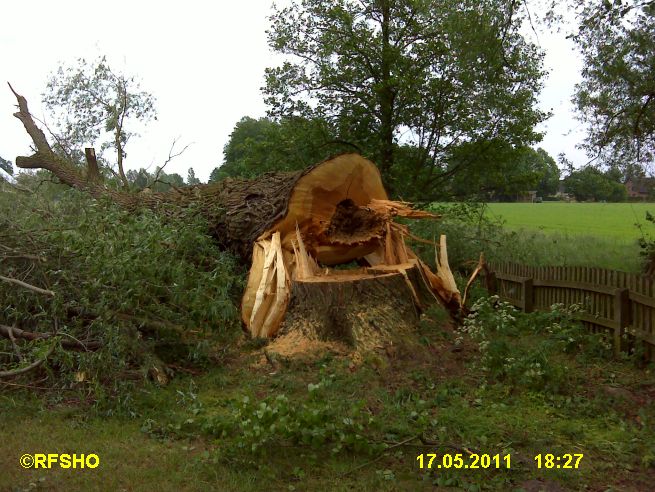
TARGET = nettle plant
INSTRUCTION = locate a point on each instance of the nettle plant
(519, 349)
(255, 428)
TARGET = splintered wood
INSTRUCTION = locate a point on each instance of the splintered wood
(272, 294)
(339, 213)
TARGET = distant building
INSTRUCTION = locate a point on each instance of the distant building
(640, 188)
(526, 196)
(562, 194)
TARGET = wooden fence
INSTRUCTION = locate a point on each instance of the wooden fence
(618, 301)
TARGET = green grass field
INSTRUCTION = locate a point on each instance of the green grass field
(612, 220)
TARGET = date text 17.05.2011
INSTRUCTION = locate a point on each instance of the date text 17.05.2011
(435, 461)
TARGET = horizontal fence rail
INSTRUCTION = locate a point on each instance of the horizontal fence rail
(621, 302)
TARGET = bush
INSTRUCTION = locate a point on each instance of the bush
(521, 350)
(145, 289)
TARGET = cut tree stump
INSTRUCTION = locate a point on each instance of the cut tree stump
(364, 311)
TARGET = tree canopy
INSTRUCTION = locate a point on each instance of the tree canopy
(498, 171)
(616, 98)
(191, 179)
(157, 181)
(388, 73)
(260, 145)
(590, 183)
(92, 106)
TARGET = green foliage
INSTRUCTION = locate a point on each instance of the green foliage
(501, 333)
(647, 247)
(263, 426)
(6, 166)
(146, 289)
(262, 145)
(549, 173)
(92, 105)
(616, 96)
(440, 73)
(494, 170)
(589, 183)
(191, 179)
(157, 181)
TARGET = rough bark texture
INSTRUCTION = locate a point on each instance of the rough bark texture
(365, 313)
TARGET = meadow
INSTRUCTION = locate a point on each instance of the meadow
(619, 221)
(323, 424)
(601, 235)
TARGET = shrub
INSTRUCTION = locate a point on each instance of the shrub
(145, 289)
(522, 350)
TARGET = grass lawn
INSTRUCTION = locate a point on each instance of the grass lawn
(177, 438)
(611, 220)
(601, 235)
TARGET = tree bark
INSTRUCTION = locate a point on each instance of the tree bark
(387, 94)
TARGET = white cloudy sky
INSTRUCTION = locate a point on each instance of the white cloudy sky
(203, 61)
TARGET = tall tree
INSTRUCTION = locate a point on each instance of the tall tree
(549, 173)
(260, 145)
(428, 74)
(191, 179)
(158, 181)
(92, 106)
(499, 171)
(616, 97)
(590, 183)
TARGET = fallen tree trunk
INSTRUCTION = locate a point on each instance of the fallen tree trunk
(294, 228)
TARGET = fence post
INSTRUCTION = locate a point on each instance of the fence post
(528, 295)
(492, 283)
(621, 317)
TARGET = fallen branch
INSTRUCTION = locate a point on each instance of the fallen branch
(25, 285)
(14, 344)
(186, 370)
(9, 331)
(33, 387)
(23, 257)
(394, 445)
(31, 367)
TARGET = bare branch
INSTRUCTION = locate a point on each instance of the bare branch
(25, 285)
(32, 336)
(171, 156)
(13, 343)
(38, 137)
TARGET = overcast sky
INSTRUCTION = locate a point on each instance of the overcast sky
(203, 61)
